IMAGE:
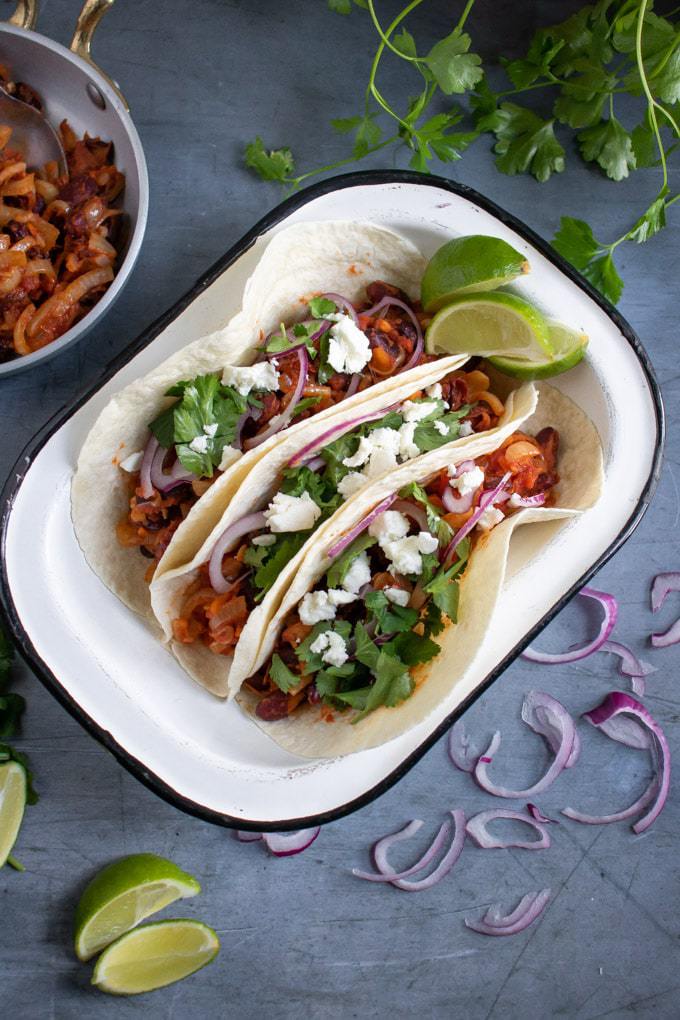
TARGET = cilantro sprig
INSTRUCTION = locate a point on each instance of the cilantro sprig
(575, 71)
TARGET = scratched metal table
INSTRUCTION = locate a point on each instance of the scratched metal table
(302, 936)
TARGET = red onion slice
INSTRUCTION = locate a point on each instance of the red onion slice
(476, 829)
(385, 871)
(630, 665)
(456, 504)
(530, 907)
(487, 499)
(619, 816)
(245, 836)
(460, 751)
(287, 844)
(398, 303)
(344, 303)
(349, 537)
(611, 608)
(414, 511)
(538, 815)
(627, 731)
(530, 501)
(615, 703)
(547, 711)
(244, 526)
(145, 482)
(445, 865)
(315, 463)
(164, 481)
(662, 585)
(280, 421)
(324, 438)
(669, 637)
(353, 385)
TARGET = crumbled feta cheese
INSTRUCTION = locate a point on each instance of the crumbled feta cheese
(264, 540)
(340, 597)
(262, 376)
(515, 500)
(331, 647)
(468, 482)
(315, 607)
(381, 463)
(399, 596)
(133, 462)
(358, 574)
(292, 513)
(435, 391)
(490, 518)
(351, 483)
(388, 527)
(363, 452)
(416, 412)
(199, 444)
(348, 348)
(441, 427)
(385, 439)
(466, 429)
(229, 455)
(407, 447)
(210, 430)
(427, 543)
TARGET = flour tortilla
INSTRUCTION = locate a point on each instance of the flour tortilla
(299, 262)
(581, 475)
(222, 675)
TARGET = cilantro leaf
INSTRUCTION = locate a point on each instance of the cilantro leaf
(444, 587)
(652, 220)
(644, 145)
(367, 132)
(405, 43)
(610, 146)
(366, 650)
(454, 68)
(336, 573)
(284, 679)
(434, 138)
(279, 343)
(275, 165)
(304, 405)
(163, 427)
(390, 618)
(576, 242)
(6, 657)
(320, 307)
(435, 522)
(524, 142)
(393, 683)
(312, 660)
(327, 680)
(428, 437)
(433, 623)
(276, 558)
(537, 63)
(601, 272)
(413, 648)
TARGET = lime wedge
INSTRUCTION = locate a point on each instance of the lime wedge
(569, 346)
(122, 895)
(495, 323)
(12, 804)
(467, 265)
(155, 955)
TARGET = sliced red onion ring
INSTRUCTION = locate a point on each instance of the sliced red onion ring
(164, 481)
(530, 907)
(344, 303)
(464, 466)
(476, 829)
(280, 421)
(538, 815)
(414, 511)
(486, 500)
(245, 836)
(615, 703)
(548, 712)
(353, 385)
(456, 504)
(325, 437)
(445, 865)
(460, 752)
(619, 816)
(630, 665)
(286, 844)
(145, 482)
(349, 536)
(244, 526)
(529, 501)
(669, 637)
(240, 424)
(398, 303)
(315, 463)
(386, 872)
(611, 608)
(662, 585)
(627, 731)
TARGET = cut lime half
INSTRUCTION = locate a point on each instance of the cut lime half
(468, 265)
(155, 955)
(569, 347)
(495, 323)
(12, 804)
(122, 895)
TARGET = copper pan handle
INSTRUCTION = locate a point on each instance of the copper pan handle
(90, 16)
(25, 14)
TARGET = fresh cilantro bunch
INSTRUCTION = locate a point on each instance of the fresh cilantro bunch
(576, 71)
(12, 706)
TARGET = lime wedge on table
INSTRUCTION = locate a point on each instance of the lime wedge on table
(468, 265)
(155, 955)
(494, 323)
(12, 804)
(569, 346)
(122, 895)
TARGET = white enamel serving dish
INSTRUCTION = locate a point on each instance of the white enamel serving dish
(104, 666)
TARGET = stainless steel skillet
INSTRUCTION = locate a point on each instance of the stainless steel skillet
(73, 87)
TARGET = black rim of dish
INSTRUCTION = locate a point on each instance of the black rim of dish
(271, 219)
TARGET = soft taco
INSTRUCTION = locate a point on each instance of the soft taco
(392, 598)
(329, 318)
(213, 608)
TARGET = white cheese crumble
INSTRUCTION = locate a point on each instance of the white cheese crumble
(133, 462)
(292, 513)
(399, 596)
(435, 391)
(210, 430)
(441, 427)
(466, 429)
(388, 527)
(323, 605)
(363, 453)
(351, 483)
(348, 347)
(416, 412)
(331, 647)
(229, 455)
(468, 482)
(407, 445)
(405, 553)
(490, 518)
(199, 444)
(264, 540)
(262, 376)
(358, 574)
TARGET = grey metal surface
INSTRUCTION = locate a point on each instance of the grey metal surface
(302, 936)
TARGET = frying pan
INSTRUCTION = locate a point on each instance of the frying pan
(73, 87)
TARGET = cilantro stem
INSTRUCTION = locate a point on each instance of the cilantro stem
(14, 863)
(385, 38)
(342, 162)
(651, 102)
(464, 16)
(376, 60)
(529, 88)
